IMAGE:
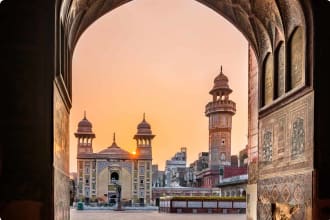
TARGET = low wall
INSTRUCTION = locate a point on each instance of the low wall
(202, 205)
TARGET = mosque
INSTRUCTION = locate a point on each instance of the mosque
(114, 172)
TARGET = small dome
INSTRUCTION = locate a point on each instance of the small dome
(221, 83)
(84, 125)
(115, 151)
(144, 127)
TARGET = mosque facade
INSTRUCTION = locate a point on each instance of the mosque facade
(114, 172)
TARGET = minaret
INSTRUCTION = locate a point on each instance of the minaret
(220, 112)
(85, 136)
(143, 139)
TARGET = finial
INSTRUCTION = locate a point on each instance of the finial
(114, 137)
(221, 69)
(144, 116)
(85, 114)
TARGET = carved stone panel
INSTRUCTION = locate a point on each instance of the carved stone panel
(297, 59)
(295, 190)
(267, 146)
(289, 133)
(269, 80)
(298, 138)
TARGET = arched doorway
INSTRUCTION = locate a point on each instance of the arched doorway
(114, 177)
(38, 42)
(274, 80)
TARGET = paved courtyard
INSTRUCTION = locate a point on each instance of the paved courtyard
(146, 215)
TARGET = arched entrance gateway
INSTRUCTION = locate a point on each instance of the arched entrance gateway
(288, 117)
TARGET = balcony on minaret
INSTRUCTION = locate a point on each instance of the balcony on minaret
(220, 93)
(224, 106)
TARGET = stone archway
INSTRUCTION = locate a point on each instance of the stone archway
(288, 38)
(279, 37)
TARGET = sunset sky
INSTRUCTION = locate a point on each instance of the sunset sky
(159, 57)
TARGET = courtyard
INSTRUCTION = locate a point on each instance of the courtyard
(146, 215)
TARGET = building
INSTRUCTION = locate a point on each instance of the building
(196, 167)
(114, 172)
(243, 157)
(233, 182)
(220, 112)
(288, 41)
(234, 161)
(158, 177)
(173, 168)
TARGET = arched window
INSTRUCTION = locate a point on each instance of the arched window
(114, 177)
(279, 70)
(268, 80)
(296, 59)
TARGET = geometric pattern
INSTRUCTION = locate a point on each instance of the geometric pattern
(298, 194)
(293, 190)
(275, 193)
(291, 140)
(286, 194)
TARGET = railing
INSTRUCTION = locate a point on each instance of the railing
(202, 205)
(221, 105)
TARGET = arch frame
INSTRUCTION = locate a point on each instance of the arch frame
(33, 60)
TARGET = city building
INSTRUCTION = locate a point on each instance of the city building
(174, 168)
(158, 177)
(234, 161)
(114, 172)
(243, 157)
(233, 181)
(196, 167)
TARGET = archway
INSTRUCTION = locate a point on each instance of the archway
(38, 42)
(284, 76)
(114, 177)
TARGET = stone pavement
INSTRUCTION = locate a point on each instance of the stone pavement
(147, 215)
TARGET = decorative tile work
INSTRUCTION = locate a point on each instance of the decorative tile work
(275, 193)
(267, 147)
(127, 165)
(101, 165)
(286, 195)
(298, 138)
(291, 140)
(298, 194)
(281, 137)
(293, 190)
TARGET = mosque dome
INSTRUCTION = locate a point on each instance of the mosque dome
(221, 83)
(114, 151)
(144, 127)
(84, 125)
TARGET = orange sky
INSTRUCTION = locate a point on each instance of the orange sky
(159, 57)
